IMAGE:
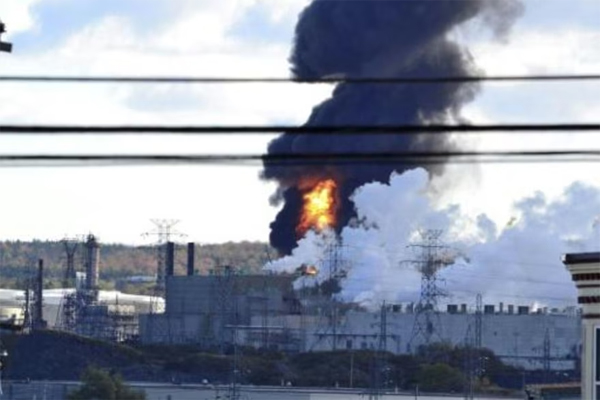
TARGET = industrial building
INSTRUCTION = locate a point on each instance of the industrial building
(533, 340)
(265, 311)
(82, 309)
(205, 309)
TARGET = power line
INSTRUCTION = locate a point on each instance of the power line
(295, 159)
(277, 129)
(334, 79)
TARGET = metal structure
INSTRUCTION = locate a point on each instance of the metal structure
(70, 246)
(38, 299)
(234, 380)
(92, 265)
(226, 306)
(28, 286)
(337, 267)
(164, 232)
(82, 312)
(4, 46)
(191, 257)
(427, 325)
(478, 321)
(469, 364)
(379, 366)
(546, 356)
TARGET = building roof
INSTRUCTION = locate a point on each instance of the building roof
(581, 258)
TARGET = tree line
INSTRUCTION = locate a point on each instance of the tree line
(18, 260)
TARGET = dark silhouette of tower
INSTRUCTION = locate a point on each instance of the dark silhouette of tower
(427, 325)
(70, 247)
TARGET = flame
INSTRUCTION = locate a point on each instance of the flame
(307, 270)
(319, 207)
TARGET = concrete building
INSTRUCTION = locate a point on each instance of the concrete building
(585, 269)
(264, 311)
(518, 339)
(529, 340)
(205, 309)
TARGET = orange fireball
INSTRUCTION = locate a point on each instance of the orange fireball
(319, 208)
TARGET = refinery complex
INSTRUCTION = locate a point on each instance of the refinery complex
(225, 308)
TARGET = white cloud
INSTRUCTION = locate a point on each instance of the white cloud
(213, 202)
(566, 51)
(18, 12)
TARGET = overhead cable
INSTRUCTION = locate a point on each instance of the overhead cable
(313, 158)
(276, 129)
(279, 80)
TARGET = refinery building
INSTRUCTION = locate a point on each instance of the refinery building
(265, 311)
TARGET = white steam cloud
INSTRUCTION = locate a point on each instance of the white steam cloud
(519, 263)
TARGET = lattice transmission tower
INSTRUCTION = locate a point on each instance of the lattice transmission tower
(70, 246)
(163, 231)
(335, 267)
(427, 324)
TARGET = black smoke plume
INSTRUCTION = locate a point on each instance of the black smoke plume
(375, 39)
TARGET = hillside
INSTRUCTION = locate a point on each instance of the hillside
(47, 355)
(117, 261)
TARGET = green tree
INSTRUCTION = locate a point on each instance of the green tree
(440, 378)
(98, 384)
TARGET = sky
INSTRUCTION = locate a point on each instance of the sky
(246, 38)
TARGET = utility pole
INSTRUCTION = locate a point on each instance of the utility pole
(231, 294)
(227, 304)
(427, 322)
(377, 386)
(469, 364)
(27, 305)
(381, 349)
(234, 389)
(546, 356)
(478, 321)
(4, 46)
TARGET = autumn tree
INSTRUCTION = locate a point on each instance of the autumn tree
(98, 384)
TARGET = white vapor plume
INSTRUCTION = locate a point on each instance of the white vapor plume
(519, 263)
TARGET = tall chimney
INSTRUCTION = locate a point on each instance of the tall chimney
(191, 247)
(38, 306)
(170, 259)
(92, 260)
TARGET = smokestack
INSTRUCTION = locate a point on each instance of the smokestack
(170, 259)
(38, 306)
(92, 263)
(374, 39)
(191, 253)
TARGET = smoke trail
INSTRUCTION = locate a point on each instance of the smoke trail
(517, 264)
(370, 38)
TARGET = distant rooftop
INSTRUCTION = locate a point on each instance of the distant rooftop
(581, 258)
